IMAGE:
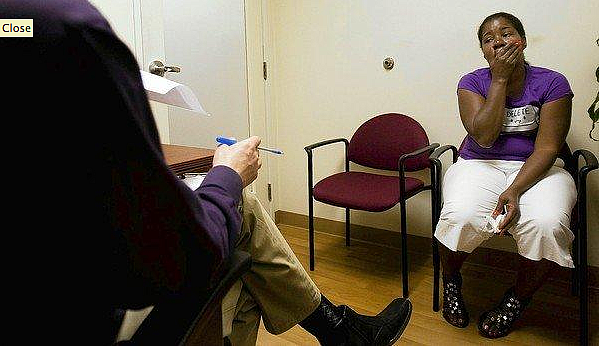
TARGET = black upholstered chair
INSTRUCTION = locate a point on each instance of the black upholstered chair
(191, 318)
(578, 224)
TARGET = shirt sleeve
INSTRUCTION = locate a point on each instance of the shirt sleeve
(471, 82)
(220, 193)
(558, 87)
(172, 237)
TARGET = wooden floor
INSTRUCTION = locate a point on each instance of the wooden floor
(367, 276)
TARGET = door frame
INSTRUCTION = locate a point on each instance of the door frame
(259, 110)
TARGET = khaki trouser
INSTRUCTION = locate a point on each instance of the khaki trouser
(276, 289)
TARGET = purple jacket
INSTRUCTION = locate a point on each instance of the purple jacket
(107, 215)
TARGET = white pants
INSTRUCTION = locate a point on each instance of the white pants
(471, 189)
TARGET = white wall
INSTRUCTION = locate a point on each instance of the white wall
(328, 79)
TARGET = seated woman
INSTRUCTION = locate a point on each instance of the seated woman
(517, 117)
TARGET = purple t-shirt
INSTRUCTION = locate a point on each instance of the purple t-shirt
(522, 115)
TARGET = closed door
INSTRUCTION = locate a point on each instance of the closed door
(218, 46)
(206, 38)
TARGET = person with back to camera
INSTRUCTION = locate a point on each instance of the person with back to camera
(517, 117)
(112, 225)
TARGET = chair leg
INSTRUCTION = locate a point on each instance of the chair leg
(584, 315)
(347, 226)
(436, 270)
(404, 249)
(575, 287)
(581, 255)
(575, 283)
(311, 230)
(584, 298)
(435, 206)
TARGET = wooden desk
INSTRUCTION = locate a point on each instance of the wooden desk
(182, 159)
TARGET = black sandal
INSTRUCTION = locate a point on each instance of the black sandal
(498, 322)
(454, 308)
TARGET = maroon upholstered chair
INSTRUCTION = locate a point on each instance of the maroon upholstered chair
(391, 142)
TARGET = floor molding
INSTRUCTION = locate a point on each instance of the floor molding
(382, 237)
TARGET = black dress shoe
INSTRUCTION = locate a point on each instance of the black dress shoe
(341, 326)
(380, 330)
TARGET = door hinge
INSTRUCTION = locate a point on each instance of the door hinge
(265, 74)
(269, 192)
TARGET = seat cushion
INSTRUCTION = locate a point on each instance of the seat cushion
(363, 191)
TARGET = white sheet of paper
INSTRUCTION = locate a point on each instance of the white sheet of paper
(194, 181)
(163, 90)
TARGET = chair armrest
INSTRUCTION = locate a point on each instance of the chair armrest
(239, 263)
(436, 169)
(589, 158)
(581, 184)
(436, 166)
(414, 153)
(402, 160)
(439, 151)
(329, 141)
(320, 144)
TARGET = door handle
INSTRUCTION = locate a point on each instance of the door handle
(158, 68)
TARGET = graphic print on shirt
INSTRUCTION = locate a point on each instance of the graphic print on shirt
(521, 119)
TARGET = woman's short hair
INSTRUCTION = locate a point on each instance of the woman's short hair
(510, 17)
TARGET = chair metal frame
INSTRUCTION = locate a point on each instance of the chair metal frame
(579, 247)
(402, 202)
(199, 316)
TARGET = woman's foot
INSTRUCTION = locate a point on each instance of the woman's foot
(454, 308)
(498, 322)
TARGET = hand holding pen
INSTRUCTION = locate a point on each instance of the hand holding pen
(242, 157)
(231, 141)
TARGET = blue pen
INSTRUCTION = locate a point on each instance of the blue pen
(231, 141)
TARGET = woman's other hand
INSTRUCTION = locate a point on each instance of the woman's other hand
(510, 200)
(243, 157)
